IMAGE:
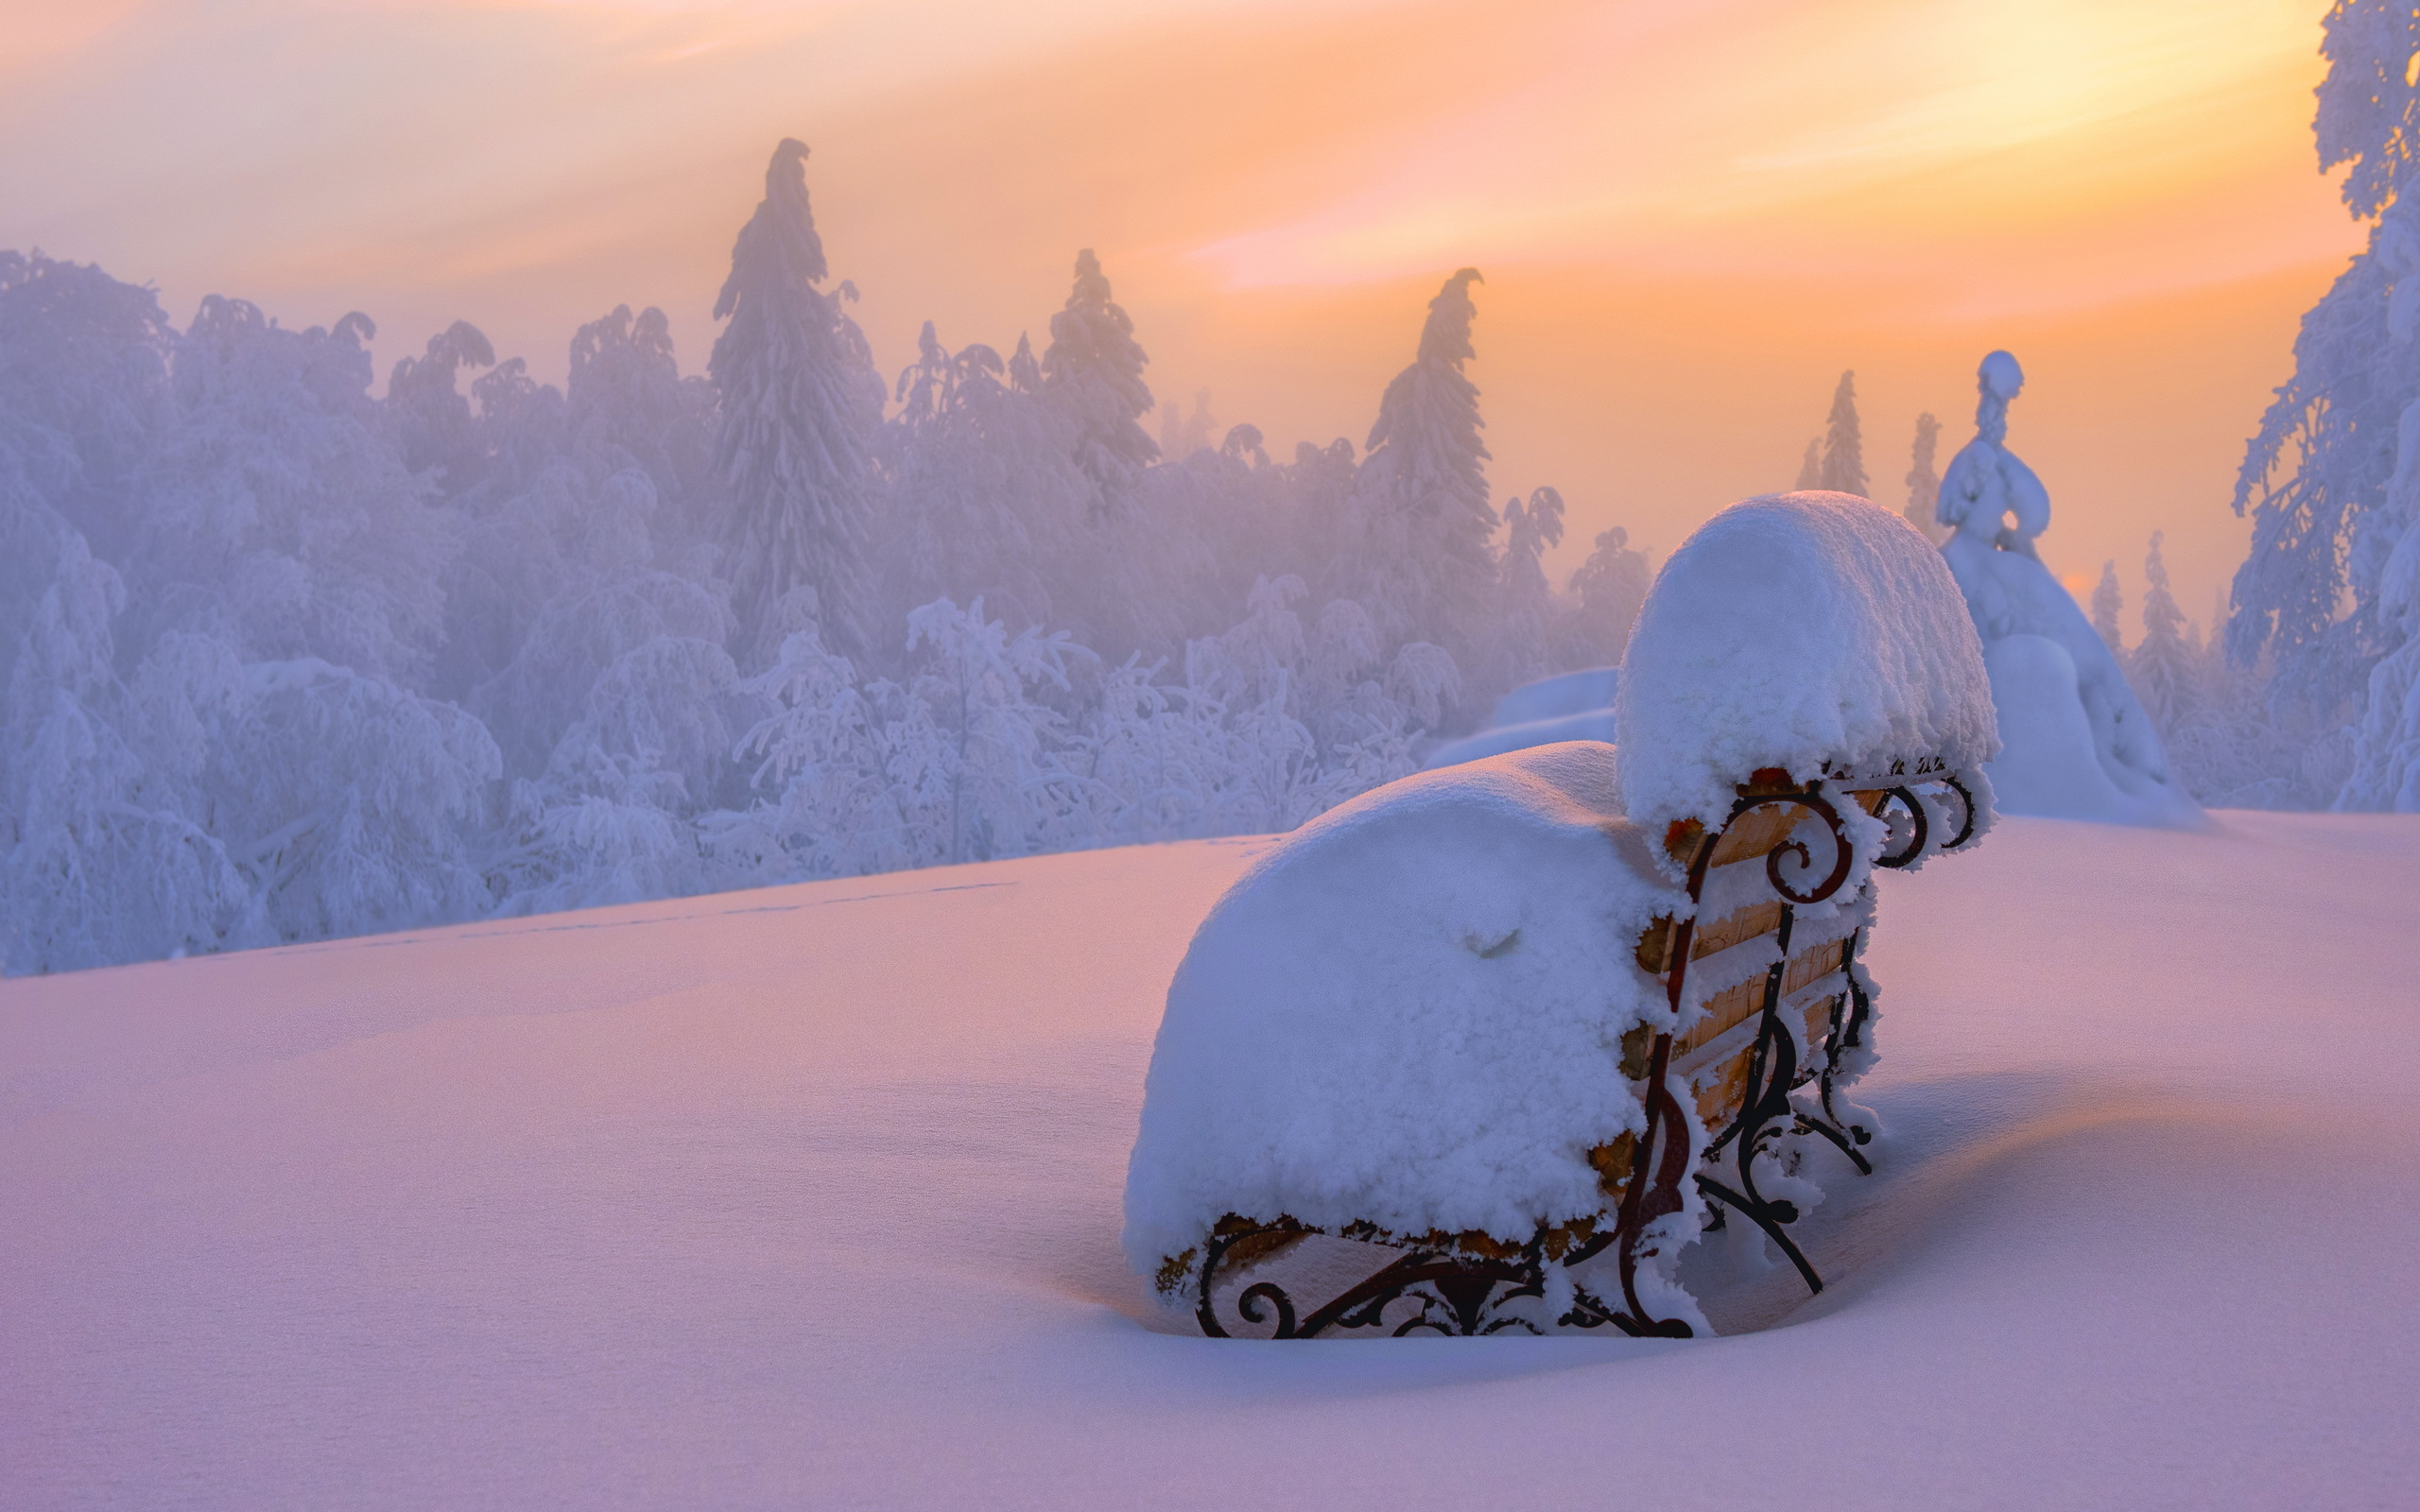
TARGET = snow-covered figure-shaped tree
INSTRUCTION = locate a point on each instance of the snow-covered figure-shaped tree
(1924, 484)
(1843, 469)
(1423, 558)
(1093, 373)
(2075, 743)
(799, 402)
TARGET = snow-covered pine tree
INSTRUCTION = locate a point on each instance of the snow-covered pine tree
(800, 404)
(2108, 602)
(626, 394)
(1093, 373)
(1923, 483)
(1611, 586)
(429, 416)
(1843, 469)
(984, 498)
(2165, 667)
(2314, 478)
(1183, 433)
(1529, 602)
(1810, 467)
(1423, 560)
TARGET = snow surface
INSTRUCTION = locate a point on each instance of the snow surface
(808, 1197)
(1410, 1012)
(1794, 630)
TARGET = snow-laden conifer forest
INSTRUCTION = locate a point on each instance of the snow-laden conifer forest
(289, 658)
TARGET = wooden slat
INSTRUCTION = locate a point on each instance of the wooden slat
(1735, 928)
(1736, 1004)
(1756, 832)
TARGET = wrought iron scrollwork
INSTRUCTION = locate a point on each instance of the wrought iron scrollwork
(1455, 1295)
(1917, 824)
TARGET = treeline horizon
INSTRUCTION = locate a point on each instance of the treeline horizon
(289, 658)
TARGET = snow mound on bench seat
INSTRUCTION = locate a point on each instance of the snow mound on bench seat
(1410, 1012)
(1797, 630)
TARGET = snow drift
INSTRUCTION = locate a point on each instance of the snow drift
(810, 1198)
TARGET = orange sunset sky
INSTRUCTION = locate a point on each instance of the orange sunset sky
(1691, 216)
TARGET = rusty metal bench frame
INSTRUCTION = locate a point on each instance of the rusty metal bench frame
(1462, 1282)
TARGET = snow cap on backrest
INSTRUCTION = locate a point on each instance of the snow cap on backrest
(1811, 632)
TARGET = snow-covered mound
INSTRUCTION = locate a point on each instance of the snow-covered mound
(1564, 694)
(2061, 675)
(808, 1197)
(1806, 631)
(1568, 706)
(1590, 724)
(1402, 1014)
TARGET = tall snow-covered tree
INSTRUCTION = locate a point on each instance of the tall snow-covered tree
(2108, 602)
(1093, 373)
(1424, 562)
(1843, 469)
(1528, 530)
(2314, 478)
(800, 404)
(1923, 483)
(2166, 667)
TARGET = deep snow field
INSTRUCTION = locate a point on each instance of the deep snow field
(810, 1198)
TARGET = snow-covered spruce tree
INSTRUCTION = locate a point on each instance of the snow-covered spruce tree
(2165, 668)
(1843, 469)
(800, 404)
(984, 498)
(626, 399)
(1182, 433)
(1093, 374)
(2314, 479)
(2108, 602)
(1611, 586)
(1524, 633)
(1810, 467)
(429, 419)
(1923, 483)
(1421, 559)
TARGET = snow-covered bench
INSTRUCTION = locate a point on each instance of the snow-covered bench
(1483, 1049)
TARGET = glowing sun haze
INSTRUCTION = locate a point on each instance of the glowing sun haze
(1691, 215)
